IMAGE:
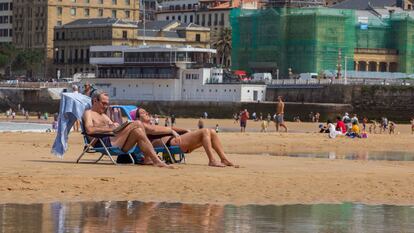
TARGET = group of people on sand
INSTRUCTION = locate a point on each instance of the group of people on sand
(139, 131)
(384, 126)
(351, 126)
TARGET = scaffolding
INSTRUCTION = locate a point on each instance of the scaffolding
(311, 39)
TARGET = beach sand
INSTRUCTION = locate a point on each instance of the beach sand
(29, 173)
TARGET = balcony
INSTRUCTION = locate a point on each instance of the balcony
(376, 51)
(157, 60)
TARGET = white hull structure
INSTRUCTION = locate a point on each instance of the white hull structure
(164, 73)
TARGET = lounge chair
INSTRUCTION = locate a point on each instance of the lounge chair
(169, 154)
(111, 151)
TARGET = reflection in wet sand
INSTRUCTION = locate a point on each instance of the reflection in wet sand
(134, 216)
(358, 155)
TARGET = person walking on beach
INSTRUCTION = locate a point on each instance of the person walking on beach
(244, 115)
(200, 123)
(172, 120)
(280, 112)
(76, 125)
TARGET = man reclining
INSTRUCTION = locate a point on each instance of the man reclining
(96, 121)
(189, 141)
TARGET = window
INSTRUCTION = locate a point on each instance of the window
(209, 20)
(179, 18)
(73, 11)
(59, 11)
(114, 2)
(101, 1)
(59, 23)
(191, 18)
(124, 34)
(100, 12)
(222, 19)
(215, 18)
(113, 13)
(198, 37)
(185, 18)
(86, 12)
(127, 2)
(167, 18)
(203, 20)
(173, 17)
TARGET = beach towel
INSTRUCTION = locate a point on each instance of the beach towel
(72, 107)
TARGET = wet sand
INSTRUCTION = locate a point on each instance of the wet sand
(30, 174)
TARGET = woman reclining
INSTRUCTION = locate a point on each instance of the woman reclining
(189, 140)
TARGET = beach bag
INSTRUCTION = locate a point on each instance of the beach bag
(124, 158)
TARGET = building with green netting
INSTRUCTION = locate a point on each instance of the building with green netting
(319, 39)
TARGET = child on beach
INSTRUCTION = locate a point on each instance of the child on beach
(264, 126)
(392, 127)
(373, 126)
(217, 128)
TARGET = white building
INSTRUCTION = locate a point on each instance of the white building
(165, 73)
(6, 21)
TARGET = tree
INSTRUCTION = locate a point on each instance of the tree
(8, 55)
(223, 46)
(29, 60)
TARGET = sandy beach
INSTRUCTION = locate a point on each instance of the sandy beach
(29, 173)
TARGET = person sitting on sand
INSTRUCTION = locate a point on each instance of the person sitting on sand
(96, 121)
(355, 131)
(333, 133)
(189, 141)
(340, 125)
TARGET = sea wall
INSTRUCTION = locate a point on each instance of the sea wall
(395, 102)
(33, 100)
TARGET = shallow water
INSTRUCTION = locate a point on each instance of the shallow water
(362, 155)
(134, 216)
(23, 127)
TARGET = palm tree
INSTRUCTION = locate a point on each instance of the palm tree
(223, 46)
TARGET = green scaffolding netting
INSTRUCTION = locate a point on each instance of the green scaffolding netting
(313, 39)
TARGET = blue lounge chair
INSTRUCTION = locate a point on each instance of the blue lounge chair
(90, 147)
(169, 154)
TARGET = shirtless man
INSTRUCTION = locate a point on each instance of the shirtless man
(96, 121)
(280, 111)
(189, 141)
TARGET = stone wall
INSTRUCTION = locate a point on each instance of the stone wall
(395, 102)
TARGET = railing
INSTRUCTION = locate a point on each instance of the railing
(353, 81)
(156, 60)
(35, 85)
(376, 51)
(143, 76)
